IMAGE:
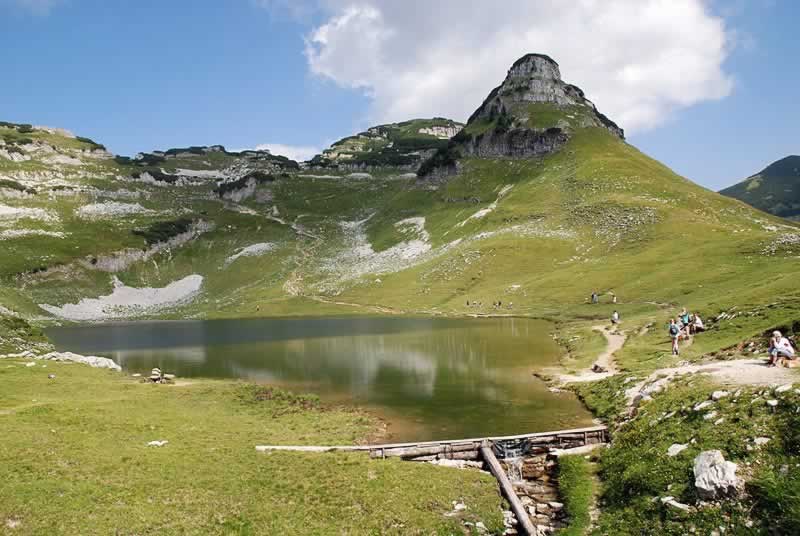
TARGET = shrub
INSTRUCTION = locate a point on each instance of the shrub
(14, 185)
(164, 230)
(258, 176)
(444, 158)
(157, 175)
(94, 145)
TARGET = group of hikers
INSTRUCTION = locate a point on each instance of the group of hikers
(684, 326)
(595, 297)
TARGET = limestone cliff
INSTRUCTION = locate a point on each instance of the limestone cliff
(532, 113)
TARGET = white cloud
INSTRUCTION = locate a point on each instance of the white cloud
(299, 153)
(638, 60)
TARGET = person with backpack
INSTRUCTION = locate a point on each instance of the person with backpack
(674, 334)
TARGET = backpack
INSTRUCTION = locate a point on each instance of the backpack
(673, 329)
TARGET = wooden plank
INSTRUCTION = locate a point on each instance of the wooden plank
(523, 519)
(542, 436)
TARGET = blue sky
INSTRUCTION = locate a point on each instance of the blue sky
(153, 74)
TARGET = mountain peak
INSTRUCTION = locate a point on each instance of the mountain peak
(536, 79)
(532, 113)
(535, 66)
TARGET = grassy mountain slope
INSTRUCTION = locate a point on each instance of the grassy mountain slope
(596, 214)
(775, 189)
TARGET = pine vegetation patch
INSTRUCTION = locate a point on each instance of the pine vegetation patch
(164, 230)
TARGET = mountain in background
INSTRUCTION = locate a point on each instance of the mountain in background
(775, 189)
(538, 200)
(397, 145)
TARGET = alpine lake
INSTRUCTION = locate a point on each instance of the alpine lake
(427, 378)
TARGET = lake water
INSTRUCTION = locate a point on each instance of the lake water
(429, 378)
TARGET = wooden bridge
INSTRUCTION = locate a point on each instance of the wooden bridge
(482, 448)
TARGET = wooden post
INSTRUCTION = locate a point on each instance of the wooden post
(523, 519)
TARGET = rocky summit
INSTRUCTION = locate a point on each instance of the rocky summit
(532, 113)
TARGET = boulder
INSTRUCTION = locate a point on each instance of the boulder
(716, 395)
(715, 478)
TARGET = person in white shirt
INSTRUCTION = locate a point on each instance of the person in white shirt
(779, 348)
(698, 325)
(615, 317)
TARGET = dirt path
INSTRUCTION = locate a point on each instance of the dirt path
(736, 372)
(605, 360)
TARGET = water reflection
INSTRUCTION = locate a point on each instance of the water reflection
(457, 377)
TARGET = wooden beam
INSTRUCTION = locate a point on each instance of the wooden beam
(523, 519)
(577, 433)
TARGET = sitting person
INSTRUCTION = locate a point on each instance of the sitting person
(697, 325)
(615, 317)
(779, 348)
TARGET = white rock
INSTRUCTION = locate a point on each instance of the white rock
(675, 449)
(716, 395)
(772, 403)
(761, 441)
(710, 415)
(783, 388)
(714, 477)
(30, 364)
(719, 421)
(672, 503)
(703, 405)
(157, 443)
(91, 360)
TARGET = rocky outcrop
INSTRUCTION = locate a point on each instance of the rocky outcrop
(91, 360)
(715, 478)
(532, 113)
(516, 143)
(536, 79)
(442, 132)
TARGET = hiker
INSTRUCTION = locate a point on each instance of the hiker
(613, 298)
(675, 334)
(697, 324)
(615, 317)
(779, 348)
(594, 297)
(685, 318)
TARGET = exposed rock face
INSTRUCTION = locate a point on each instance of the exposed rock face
(714, 477)
(442, 132)
(536, 78)
(517, 143)
(532, 113)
